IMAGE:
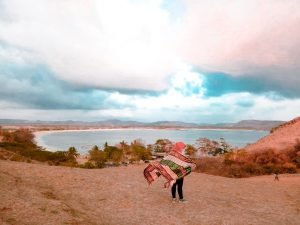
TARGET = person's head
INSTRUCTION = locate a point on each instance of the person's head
(178, 147)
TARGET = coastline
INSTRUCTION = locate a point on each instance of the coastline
(39, 134)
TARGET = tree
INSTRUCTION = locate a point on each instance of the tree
(21, 135)
(105, 145)
(72, 154)
(205, 146)
(190, 150)
(97, 156)
(162, 145)
(125, 149)
(113, 153)
(139, 151)
(212, 147)
(95, 148)
(224, 146)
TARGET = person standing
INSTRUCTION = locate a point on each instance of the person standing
(179, 185)
(178, 147)
(173, 167)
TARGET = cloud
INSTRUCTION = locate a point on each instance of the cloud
(199, 61)
(244, 38)
(140, 44)
(95, 43)
(217, 84)
(34, 85)
(32, 99)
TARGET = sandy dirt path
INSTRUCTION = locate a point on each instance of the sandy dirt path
(40, 194)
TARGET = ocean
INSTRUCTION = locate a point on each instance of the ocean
(84, 140)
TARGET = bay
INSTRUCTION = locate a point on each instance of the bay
(84, 140)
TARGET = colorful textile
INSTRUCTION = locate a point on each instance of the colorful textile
(171, 167)
(178, 147)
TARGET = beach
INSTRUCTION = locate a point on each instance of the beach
(40, 194)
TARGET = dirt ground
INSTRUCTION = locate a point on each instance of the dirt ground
(41, 194)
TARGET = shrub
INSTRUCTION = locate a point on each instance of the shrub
(98, 157)
(289, 168)
(212, 147)
(69, 163)
(88, 165)
(18, 158)
(162, 145)
(113, 153)
(139, 151)
(190, 150)
(19, 136)
(252, 168)
(243, 164)
(210, 165)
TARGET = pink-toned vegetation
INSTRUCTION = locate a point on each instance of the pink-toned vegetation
(243, 163)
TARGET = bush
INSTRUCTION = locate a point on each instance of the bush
(88, 165)
(139, 151)
(18, 158)
(290, 168)
(162, 145)
(98, 157)
(69, 163)
(212, 147)
(32, 152)
(252, 168)
(190, 150)
(21, 142)
(113, 154)
(210, 165)
(19, 136)
(244, 164)
(72, 154)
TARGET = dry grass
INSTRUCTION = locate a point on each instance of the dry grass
(245, 164)
(40, 194)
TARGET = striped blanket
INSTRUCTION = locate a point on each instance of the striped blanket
(171, 167)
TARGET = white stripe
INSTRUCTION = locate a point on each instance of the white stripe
(178, 161)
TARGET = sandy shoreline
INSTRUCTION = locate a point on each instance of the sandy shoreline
(110, 129)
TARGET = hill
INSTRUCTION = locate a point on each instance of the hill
(257, 124)
(40, 194)
(281, 137)
(244, 124)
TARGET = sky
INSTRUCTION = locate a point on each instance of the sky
(207, 61)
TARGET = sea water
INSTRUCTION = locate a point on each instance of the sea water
(84, 140)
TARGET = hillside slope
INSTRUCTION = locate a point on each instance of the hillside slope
(257, 124)
(41, 194)
(284, 136)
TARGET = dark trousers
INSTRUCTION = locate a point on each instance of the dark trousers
(179, 184)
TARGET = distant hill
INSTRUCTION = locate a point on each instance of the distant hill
(244, 124)
(257, 124)
(283, 136)
(173, 124)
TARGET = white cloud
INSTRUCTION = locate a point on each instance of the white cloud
(254, 37)
(138, 44)
(129, 44)
(114, 44)
(170, 106)
(176, 105)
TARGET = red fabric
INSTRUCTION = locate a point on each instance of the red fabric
(178, 147)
